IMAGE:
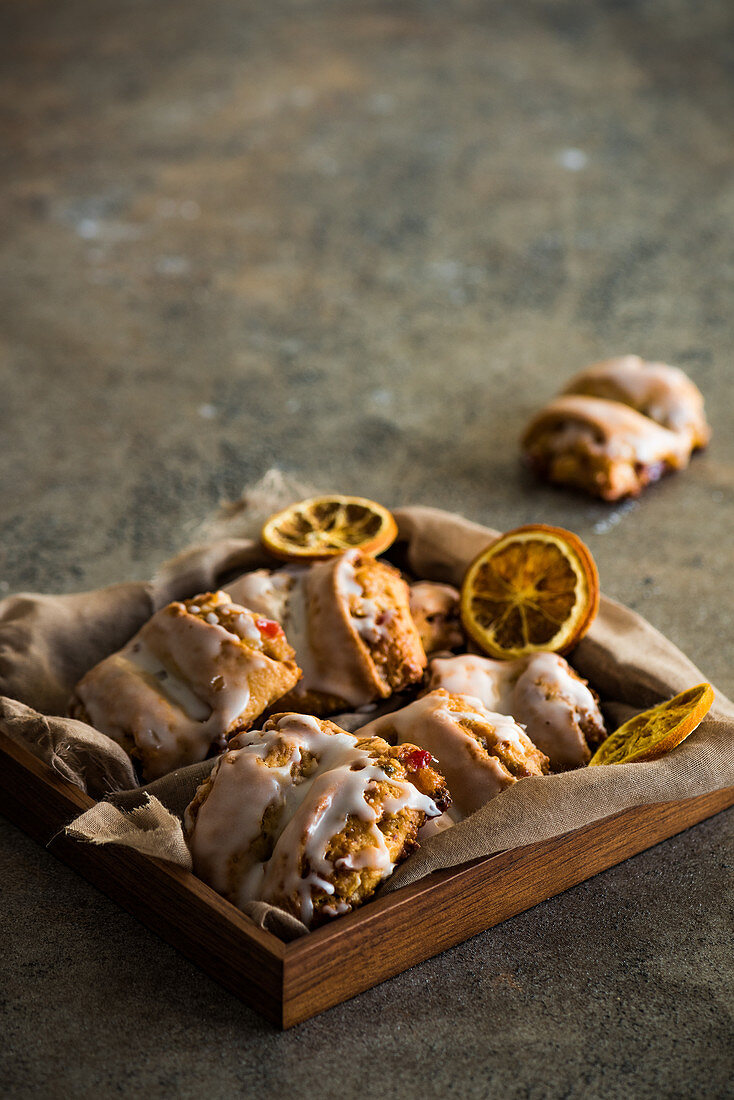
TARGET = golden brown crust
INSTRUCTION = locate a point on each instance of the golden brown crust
(368, 623)
(435, 611)
(603, 447)
(396, 650)
(480, 752)
(352, 887)
(521, 758)
(197, 670)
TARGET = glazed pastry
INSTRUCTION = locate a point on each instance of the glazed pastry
(603, 447)
(435, 612)
(197, 670)
(485, 679)
(309, 818)
(349, 621)
(663, 393)
(558, 709)
(480, 752)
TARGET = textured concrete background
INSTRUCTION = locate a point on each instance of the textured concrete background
(365, 242)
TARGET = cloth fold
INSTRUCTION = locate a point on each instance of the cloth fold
(149, 827)
(48, 642)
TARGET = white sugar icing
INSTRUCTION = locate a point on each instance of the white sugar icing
(177, 687)
(306, 812)
(553, 704)
(473, 774)
(612, 429)
(327, 619)
(469, 674)
(664, 393)
(541, 692)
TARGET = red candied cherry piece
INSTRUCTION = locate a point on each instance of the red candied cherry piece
(268, 627)
(417, 759)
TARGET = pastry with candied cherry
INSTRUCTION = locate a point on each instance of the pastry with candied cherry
(310, 818)
(198, 670)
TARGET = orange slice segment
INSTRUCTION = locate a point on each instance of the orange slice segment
(321, 527)
(657, 730)
(535, 588)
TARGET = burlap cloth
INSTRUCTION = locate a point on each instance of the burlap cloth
(48, 642)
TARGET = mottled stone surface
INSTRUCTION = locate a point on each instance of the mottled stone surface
(365, 242)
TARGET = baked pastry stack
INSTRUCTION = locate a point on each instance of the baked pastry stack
(349, 620)
(617, 427)
(308, 817)
(556, 708)
(195, 672)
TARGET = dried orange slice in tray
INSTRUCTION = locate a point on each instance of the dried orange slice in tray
(656, 731)
(321, 527)
(534, 588)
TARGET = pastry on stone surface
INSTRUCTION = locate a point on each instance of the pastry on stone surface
(603, 447)
(479, 751)
(664, 393)
(558, 709)
(435, 612)
(308, 817)
(196, 671)
(349, 621)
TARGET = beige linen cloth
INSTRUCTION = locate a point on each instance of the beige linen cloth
(48, 642)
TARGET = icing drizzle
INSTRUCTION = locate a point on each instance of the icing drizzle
(295, 784)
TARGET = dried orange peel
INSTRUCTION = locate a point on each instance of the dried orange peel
(324, 526)
(656, 731)
(535, 588)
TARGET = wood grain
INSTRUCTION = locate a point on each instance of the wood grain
(447, 907)
(289, 983)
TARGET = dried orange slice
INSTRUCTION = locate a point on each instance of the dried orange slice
(535, 588)
(657, 730)
(321, 527)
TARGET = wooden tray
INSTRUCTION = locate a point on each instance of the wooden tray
(289, 982)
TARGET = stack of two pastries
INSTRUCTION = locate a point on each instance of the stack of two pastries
(618, 426)
(490, 723)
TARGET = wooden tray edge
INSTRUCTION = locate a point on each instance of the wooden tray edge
(449, 906)
(289, 983)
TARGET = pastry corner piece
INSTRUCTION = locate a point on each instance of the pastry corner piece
(480, 752)
(603, 447)
(310, 818)
(194, 673)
